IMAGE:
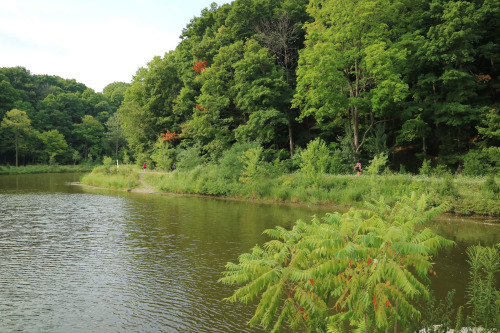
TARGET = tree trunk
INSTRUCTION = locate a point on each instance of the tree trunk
(290, 132)
(355, 128)
(17, 149)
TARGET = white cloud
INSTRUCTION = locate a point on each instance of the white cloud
(94, 43)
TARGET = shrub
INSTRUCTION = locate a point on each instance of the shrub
(315, 159)
(425, 169)
(189, 158)
(377, 164)
(491, 186)
(482, 162)
(483, 298)
(371, 265)
(230, 165)
(441, 170)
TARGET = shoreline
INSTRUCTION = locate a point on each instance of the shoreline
(473, 218)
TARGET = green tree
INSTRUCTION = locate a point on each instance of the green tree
(350, 68)
(17, 125)
(89, 134)
(261, 93)
(8, 96)
(148, 105)
(163, 154)
(51, 116)
(54, 144)
(115, 93)
(76, 157)
(115, 136)
(365, 268)
(215, 115)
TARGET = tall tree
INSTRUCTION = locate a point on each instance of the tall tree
(54, 144)
(115, 135)
(89, 134)
(262, 94)
(17, 125)
(350, 68)
(147, 109)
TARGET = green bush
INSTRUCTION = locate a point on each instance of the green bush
(230, 165)
(491, 186)
(425, 169)
(315, 160)
(377, 164)
(341, 259)
(483, 297)
(189, 158)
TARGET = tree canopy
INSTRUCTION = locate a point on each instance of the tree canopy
(417, 80)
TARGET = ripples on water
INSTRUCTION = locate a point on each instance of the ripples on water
(124, 262)
(92, 263)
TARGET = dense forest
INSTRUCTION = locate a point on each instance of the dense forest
(47, 119)
(414, 80)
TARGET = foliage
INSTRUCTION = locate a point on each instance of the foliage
(425, 169)
(350, 67)
(315, 160)
(163, 153)
(483, 297)
(90, 131)
(482, 162)
(364, 268)
(369, 77)
(377, 164)
(189, 158)
(199, 66)
(491, 186)
(54, 144)
(231, 164)
(17, 125)
(252, 167)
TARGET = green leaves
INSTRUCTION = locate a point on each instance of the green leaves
(350, 67)
(355, 269)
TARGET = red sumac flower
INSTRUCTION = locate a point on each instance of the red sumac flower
(199, 66)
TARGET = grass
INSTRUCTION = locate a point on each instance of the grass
(43, 168)
(463, 195)
(124, 178)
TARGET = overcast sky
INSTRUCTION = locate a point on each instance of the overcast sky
(95, 42)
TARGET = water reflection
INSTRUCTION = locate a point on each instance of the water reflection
(82, 260)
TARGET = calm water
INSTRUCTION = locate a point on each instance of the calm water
(73, 259)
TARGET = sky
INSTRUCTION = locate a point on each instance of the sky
(95, 42)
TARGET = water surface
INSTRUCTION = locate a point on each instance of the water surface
(75, 259)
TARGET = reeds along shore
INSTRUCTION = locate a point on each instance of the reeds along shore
(463, 195)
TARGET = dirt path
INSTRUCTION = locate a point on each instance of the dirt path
(145, 187)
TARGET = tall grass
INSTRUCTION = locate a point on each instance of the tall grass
(122, 178)
(464, 195)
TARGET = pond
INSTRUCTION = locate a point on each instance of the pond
(77, 259)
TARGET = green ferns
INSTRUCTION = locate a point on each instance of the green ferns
(364, 269)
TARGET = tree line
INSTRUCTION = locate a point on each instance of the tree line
(413, 80)
(47, 119)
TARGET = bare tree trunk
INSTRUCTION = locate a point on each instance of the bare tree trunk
(17, 148)
(290, 132)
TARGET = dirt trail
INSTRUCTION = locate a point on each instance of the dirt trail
(145, 187)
